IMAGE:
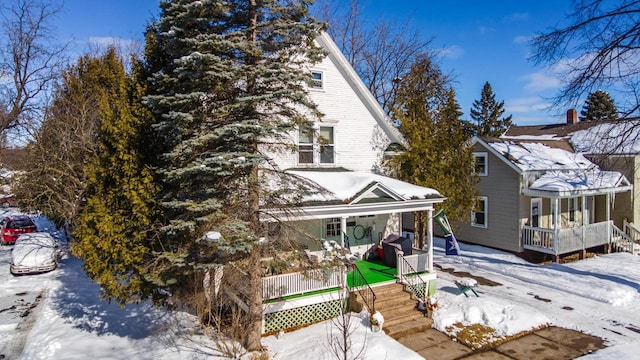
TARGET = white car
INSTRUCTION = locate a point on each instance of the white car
(33, 253)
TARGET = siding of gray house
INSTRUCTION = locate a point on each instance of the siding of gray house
(505, 207)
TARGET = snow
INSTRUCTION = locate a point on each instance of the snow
(598, 296)
(579, 180)
(536, 156)
(344, 185)
(609, 137)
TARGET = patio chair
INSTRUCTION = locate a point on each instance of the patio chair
(467, 284)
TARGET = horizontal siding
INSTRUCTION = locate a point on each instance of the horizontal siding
(502, 188)
(359, 141)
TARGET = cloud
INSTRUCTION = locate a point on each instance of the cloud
(526, 105)
(518, 17)
(451, 52)
(541, 80)
(485, 29)
(521, 39)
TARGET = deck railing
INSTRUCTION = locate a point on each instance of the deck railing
(631, 231)
(278, 286)
(565, 240)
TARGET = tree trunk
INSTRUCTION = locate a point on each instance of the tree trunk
(418, 229)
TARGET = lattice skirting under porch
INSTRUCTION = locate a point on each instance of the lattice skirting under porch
(301, 316)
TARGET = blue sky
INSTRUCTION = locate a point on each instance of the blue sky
(482, 41)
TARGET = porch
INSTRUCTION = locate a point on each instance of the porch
(566, 240)
(297, 299)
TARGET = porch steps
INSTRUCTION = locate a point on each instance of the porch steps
(397, 306)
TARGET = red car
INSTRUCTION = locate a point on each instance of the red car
(12, 226)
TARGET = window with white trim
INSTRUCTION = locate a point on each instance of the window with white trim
(333, 227)
(480, 163)
(305, 145)
(573, 206)
(317, 80)
(326, 145)
(479, 213)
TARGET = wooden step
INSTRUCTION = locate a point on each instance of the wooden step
(409, 327)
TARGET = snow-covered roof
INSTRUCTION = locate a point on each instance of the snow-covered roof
(536, 156)
(345, 186)
(580, 181)
(614, 137)
(606, 137)
(330, 193)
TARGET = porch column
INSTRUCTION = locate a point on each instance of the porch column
(583, 210)
(343, 227)
(430, 240)
(608, 213)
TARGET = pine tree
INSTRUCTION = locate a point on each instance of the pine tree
(599, 106)
(228, 82)
(439, 155)
(487, 113)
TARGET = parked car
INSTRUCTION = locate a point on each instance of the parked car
(13, 226)
(33, 253)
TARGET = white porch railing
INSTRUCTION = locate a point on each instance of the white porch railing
(631, 231)
(419, 262)
(278, 286)
(562, 241)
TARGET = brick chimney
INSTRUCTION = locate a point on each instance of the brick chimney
(572, 116)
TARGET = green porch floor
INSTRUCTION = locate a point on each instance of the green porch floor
(373, 272)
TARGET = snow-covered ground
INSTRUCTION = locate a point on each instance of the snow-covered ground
(598, 296)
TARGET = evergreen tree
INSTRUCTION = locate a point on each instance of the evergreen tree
(228, 82)
(487, 112)
(599, 106)
(438, 154)
(55, 180)
(114, 236)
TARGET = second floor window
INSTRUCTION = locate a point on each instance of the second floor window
(326, 145)
(305, 145)
(316, 80)
(316, 146)
(480, 163)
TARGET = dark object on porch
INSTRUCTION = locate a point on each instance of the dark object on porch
(391, 244)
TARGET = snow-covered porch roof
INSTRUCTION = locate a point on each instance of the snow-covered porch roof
(340, 193)
(562, 184)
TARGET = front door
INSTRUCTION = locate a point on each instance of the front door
(535, 213)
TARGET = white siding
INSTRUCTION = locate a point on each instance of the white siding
(359, 140)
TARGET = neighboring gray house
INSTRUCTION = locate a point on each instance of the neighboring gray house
(538, 192)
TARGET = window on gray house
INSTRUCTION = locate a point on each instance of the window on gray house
(479, 213)
(480, 163)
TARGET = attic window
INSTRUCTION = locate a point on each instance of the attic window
(316, 80)
(480, 163)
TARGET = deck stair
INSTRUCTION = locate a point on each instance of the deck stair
(397, 306)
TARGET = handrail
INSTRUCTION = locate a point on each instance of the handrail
(412, 281)
(363, 288)
(631, 230)
(625, 243)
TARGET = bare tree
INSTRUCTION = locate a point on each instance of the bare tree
(381, 54)
(600, 48)
(29, 60)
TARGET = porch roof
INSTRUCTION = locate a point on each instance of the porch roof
(572, 183)
(342, 193)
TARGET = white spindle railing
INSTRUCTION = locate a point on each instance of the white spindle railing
(277, 286)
